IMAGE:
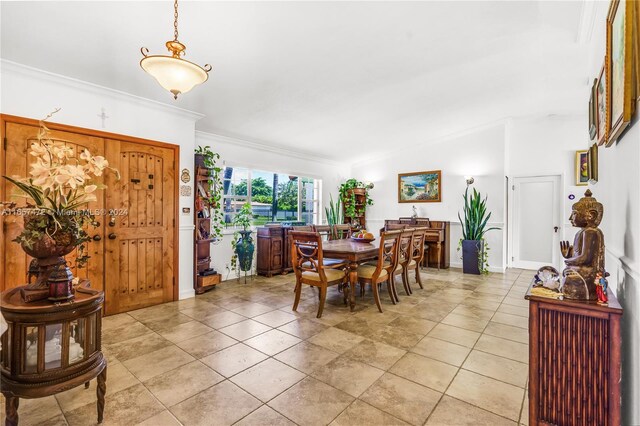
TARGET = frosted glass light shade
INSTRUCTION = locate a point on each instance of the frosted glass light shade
(174, 74)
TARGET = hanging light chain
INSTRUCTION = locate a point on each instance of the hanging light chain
(175, 20)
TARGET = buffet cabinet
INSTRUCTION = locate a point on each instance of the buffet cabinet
(574, 362)
(273, 251)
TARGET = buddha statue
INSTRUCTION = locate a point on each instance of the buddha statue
(585, 258)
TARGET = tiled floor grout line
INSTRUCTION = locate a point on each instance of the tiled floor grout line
(281, 309)
(524, 398)
(225, 378)
(387, 371)
(460, 368)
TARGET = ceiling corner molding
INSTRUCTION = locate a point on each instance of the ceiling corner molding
(25, 70)
(263, 146)
(587, 22)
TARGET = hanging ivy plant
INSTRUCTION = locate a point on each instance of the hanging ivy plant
(348, 197)
(214, 200)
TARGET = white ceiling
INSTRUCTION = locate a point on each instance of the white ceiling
(347, 80)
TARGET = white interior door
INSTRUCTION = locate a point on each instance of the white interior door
(536, 221)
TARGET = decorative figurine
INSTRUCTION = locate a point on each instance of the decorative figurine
(548, 277)
(586, 256)
(601, 288)
(415, 212)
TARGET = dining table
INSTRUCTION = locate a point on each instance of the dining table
(355, 253)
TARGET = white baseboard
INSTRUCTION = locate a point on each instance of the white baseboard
(497, 269)
(187, 294)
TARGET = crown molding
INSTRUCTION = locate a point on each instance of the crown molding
(25, 70)
(263, 146)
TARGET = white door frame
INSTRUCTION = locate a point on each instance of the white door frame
(511, 219)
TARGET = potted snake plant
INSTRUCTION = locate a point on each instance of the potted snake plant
(473, 245)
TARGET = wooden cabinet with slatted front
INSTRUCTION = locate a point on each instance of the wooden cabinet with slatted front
(574, 362)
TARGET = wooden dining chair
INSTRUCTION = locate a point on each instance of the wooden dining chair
(404, 258)
(388, 259)
(341, 231)
(378, 274)
(324, 231)
(306, 228)
(306, 253)
(424, 222)
(395, 226)
(417, 253)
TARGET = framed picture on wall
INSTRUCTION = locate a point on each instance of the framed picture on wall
(619, 75)
(592, 161)
(636, 46)
(592, 111)
(601, 106)
(420, 187)
(582, 167)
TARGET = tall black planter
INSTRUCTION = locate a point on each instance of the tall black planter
(471, 250)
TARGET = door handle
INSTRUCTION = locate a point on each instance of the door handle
(555, 229)
(112, 236)
(97, 238)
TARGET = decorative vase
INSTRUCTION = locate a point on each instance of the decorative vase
(244, 250)
(471, 251)
(49, 267)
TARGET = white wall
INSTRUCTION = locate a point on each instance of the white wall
(618, 189)
(479, 153)
(540, 146)
(32, 93)
(241, 153)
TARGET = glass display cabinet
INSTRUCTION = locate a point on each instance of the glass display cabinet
(49, 348)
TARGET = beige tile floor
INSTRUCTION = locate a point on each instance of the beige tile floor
(454, 353)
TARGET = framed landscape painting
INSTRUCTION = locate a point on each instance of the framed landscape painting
(420, 187)
(619, 68)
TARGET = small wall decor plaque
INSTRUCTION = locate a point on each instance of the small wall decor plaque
(185, 176)
(185, 190)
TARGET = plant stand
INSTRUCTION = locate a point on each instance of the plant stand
(358, 220)
(205, 278)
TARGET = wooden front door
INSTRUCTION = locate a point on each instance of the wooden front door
(139, 247)
(18, 163)
(133, 250)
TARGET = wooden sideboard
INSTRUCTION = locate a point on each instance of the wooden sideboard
(273, 250)
(574, 362)
(438, 238)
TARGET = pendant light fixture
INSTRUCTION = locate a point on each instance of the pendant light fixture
(175, 74)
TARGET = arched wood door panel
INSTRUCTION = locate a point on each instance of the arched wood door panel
(17, 163)
(139, 245)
